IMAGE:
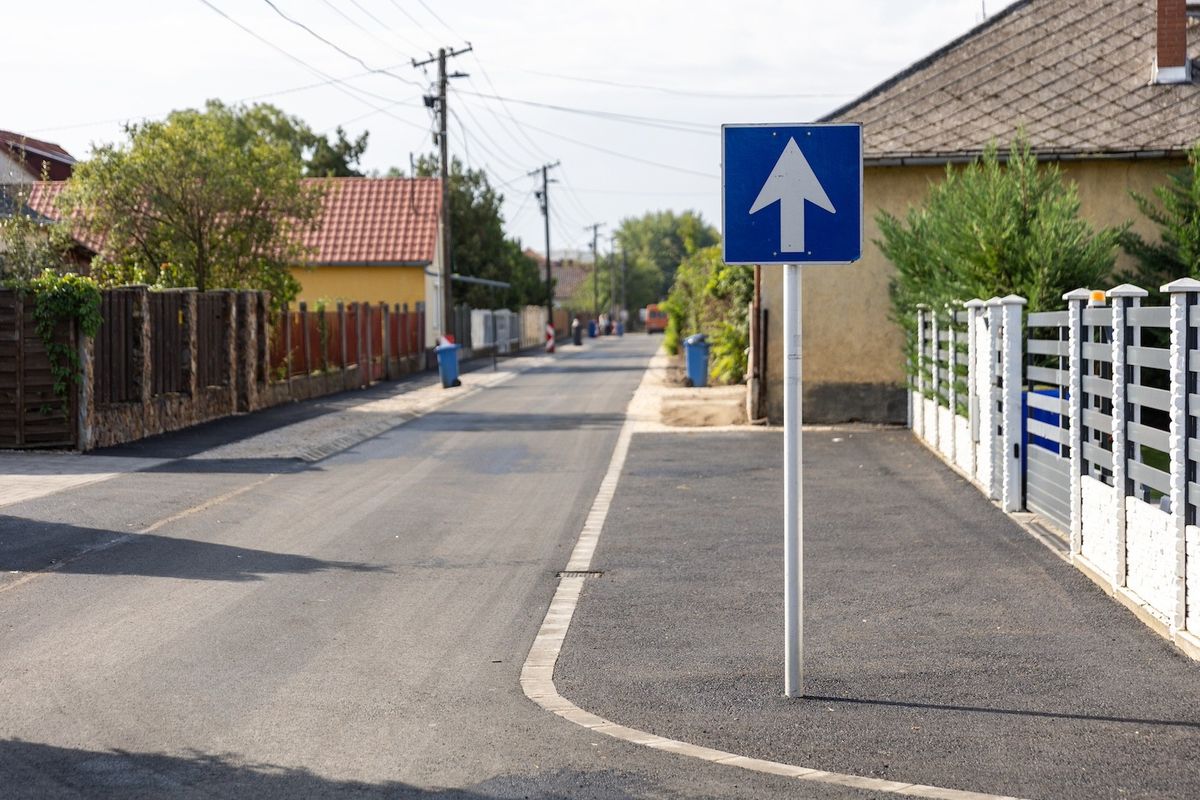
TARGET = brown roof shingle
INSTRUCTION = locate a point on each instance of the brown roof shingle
(1074, 75)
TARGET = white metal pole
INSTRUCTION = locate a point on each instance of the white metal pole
(793, 493)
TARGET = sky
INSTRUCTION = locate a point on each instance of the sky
(628, 96)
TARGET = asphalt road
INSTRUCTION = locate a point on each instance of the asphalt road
(354, 627)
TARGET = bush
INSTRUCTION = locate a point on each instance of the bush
(992, 229)
(1177, 213)
(712, 297)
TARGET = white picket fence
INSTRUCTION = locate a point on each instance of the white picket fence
(1086, 417)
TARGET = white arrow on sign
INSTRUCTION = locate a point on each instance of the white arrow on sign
(792, 181)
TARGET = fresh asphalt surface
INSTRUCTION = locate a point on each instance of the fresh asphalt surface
(354, 627)
(944, 645)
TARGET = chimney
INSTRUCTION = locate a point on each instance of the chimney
(1171, 64)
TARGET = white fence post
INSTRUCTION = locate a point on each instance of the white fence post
(952, 377)
(1123, 298)
(1184, 294)
(918, 414)
(991, 399)
(934, 437)
(974, 309)
(1076, 300)
(1012, 493)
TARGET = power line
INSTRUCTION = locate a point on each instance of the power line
(681, 126)
(618, 154)
(341, 50)
(441, 21)
(689, 93)
(356, 23)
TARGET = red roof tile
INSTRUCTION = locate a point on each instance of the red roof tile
(376, 221)
(363, 220)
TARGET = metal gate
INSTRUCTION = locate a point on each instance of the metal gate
(31, 414)
(1046, 450)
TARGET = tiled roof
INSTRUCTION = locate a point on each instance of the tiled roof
(43, 195)
(376, 221)
(1074, 75)
(363, 220)
(568, 274)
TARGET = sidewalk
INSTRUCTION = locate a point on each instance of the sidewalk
(944, 645)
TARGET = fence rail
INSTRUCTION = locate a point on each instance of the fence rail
(1085, 416)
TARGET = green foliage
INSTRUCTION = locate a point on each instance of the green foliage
(1177, 213)
(321, 156)
(59, 300)
(655, 245)
(211, 199)
(479, 245)
(29, 243)
(993, 229)
(712, 297)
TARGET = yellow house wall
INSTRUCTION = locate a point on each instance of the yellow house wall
(371, 284)
(853, 363)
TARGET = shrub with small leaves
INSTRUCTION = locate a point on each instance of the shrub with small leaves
(60, 300)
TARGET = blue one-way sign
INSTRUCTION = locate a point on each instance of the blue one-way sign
(792, 194)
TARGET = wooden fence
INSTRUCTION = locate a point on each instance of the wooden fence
(31, 414)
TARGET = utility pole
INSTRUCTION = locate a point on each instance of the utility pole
(439, 102)
(544, 199)
(595, 229)
(612, 274)
(624, 279)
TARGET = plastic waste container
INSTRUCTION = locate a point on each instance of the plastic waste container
(591, 329)
(620, 329)
(576, 332)
(695, 353)
(447, 357)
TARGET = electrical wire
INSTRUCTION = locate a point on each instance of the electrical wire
(682, 126)
(340, 84)
(689, 93)
(341, 50)
(357, 24)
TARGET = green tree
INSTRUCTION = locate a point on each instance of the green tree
(1177, 213)
(29, 243)
(479, 246)
(196, 200)
(321, 156)
(712, 297)
(657, 243)
(991, 228)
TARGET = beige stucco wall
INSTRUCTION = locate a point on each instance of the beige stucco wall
(369, 284)
(853, 366)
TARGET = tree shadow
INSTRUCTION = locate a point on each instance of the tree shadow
(30, 770)
(35, 546)
(1007, 711)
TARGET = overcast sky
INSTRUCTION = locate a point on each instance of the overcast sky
(674, 69)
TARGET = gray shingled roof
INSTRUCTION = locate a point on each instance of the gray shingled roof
(1073, 74)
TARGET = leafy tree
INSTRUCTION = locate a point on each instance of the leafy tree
(995, 229)
(198, 199)
(659, 241)
(321, 156)
(479, 247)
(29, 244)
(1177, 213)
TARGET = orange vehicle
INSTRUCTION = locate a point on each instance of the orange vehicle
(656, 319)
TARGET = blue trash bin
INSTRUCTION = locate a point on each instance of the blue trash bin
(695, 349)
(447, 357)
(620, 329)
(592, 329)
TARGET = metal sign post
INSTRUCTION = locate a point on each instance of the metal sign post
(792, 195)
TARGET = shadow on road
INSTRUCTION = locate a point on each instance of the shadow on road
(33, 546)
(1008, 711)
(473, 422)
(31, 770)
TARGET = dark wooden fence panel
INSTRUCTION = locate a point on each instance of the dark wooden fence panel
(167, 336)
(31, 414)
(212, 339)
(117, 349)
(352, 354)
(333, 339)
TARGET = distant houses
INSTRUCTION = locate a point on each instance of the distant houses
(1106, 88)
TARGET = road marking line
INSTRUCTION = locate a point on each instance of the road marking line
(537, 673)
(125, 537)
